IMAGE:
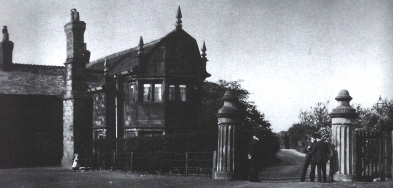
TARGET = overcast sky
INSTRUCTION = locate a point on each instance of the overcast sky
(291, 54)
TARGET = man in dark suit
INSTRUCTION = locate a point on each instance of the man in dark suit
(319, 157)
(307, 160)
(252, 156)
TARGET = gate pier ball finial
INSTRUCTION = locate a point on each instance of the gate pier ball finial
(229, 112)
(343, 109)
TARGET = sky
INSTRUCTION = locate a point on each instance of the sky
(290, 54)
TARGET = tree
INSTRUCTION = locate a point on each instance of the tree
(317, 116)
(315, 120)
(374, 118)
(252, 122)
(299, 132)
(250, 116)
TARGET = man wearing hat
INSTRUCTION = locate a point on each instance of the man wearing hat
(320, 157)
(310, 142)
(252, 156)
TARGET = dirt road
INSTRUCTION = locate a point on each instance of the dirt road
(289, 168)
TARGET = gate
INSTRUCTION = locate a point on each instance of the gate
(370, 155)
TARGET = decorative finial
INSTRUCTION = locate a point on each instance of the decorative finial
(140, 51)
(74, 15)
(178, 16)
(5, 34)
(5, 30)
(203, 49)
(343, 109)
(106, 70)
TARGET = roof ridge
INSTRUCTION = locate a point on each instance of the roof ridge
(39, 65)
(122, 52)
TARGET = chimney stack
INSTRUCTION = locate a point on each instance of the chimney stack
(6, 48)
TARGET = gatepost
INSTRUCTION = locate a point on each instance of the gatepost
(227, 121)
(343, 139)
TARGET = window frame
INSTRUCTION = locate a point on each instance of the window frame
(182, 92)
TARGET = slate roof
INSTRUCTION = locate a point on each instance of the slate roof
(33, 80)
(121, 61)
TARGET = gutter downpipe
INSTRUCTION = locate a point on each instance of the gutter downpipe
(116, 118)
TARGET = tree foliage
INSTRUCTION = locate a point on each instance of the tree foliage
(299, 132)
(374, 118)
(252, 122)
(317, 116)
(314, 120)
(251, 117)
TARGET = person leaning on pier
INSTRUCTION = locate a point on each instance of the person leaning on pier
(307, 160)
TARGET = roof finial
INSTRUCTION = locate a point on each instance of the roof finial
(140, 51)
(203, 50)
(178, 16)
(5, 34)
(106, 70)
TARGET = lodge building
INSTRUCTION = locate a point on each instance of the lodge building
(151, 89)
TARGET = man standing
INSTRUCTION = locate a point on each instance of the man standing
(252, 156)
(307, 160)
(319, 157)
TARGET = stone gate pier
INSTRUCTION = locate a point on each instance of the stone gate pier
(343, 138)
(227, 121)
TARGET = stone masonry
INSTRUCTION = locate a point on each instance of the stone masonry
(343, 139)
(227, 121)
(76, 106)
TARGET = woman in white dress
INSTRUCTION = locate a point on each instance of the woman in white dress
(75, 163)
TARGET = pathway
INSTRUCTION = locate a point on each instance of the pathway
(290, 167)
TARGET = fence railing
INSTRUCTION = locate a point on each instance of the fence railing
(370, 154)
(163, 163)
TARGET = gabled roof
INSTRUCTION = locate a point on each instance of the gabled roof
(127, 59)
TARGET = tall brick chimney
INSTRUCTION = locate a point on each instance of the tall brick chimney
(76, 105)
(6, 47)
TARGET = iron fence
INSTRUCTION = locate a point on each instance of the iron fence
(162, 163)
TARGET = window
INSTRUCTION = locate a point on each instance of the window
(129, 134)
(132, 92)
(129, 92)
(157, 92)
(99, 133)
(171, 92)
(183, 93)
(146, 92)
